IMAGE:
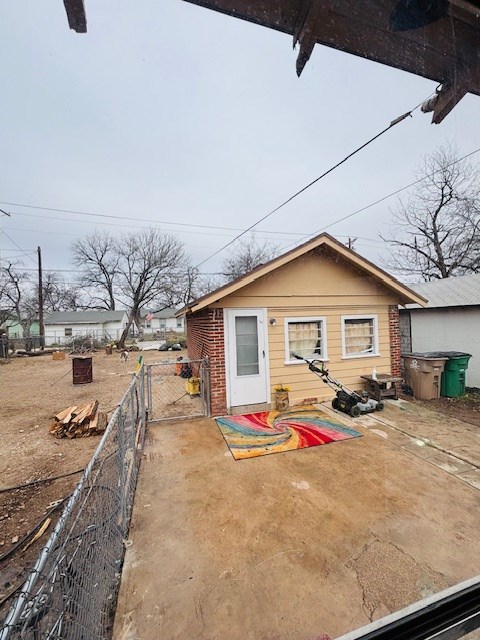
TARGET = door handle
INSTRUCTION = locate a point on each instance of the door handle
(263, 353)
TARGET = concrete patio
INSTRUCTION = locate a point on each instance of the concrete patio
(293, 545)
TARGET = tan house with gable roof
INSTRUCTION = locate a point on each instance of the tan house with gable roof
(321, 300)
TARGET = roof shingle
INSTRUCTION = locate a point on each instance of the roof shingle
(84, 317)
(461, 291)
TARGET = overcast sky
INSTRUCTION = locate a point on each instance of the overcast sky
(168, 112)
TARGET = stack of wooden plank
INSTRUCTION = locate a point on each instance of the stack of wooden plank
(79, 422)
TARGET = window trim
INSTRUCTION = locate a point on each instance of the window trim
(322, 319)
(376, 350)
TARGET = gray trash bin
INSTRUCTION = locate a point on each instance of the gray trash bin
(423, 374)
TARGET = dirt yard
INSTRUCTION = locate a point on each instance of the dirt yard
(466, 408)
(33, 390)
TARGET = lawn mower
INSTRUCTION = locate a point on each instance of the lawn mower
(345, 400)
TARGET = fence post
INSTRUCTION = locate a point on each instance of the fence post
(141, 374)
(206, 369)
(149, 390)
(121, 463)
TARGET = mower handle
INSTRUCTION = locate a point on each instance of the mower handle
(311, 364)
(295, 355)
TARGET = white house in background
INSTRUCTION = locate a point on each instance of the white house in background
(62, 326)
(449, 322)
(162, 321)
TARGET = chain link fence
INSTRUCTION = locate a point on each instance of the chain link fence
(36, 344)
(71, 592)
(178, 389)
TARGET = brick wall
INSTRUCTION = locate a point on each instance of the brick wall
(205, 338)
(394, 327)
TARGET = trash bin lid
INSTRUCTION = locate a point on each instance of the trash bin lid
(445, 354)
(429, 355)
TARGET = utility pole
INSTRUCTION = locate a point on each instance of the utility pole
(5, 213)
(40, 299)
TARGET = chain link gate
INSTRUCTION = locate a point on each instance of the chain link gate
(178, 389)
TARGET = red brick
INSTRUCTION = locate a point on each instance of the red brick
(394, 331)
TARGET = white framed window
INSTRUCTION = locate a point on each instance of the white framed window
(68, 332)
(307, 337)
(359, 336)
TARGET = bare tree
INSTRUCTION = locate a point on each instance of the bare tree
(19, 296)
(207, 283)
(245, 256)
(436, 231)
(57, 295)
(151, 268)
(97, 257)
(15, 293)
(189, 285)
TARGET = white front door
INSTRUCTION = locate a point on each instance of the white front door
(246, 356)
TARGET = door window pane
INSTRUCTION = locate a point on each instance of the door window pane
(246, 338)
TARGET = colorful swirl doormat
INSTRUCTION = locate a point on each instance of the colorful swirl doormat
(258, 434)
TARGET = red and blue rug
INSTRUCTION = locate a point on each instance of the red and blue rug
(265, 432)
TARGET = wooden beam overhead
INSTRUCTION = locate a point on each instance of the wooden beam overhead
(77, 18)
(436, 40)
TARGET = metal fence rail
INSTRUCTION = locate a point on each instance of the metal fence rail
(71, 592)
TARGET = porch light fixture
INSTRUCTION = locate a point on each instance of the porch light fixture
(273, 321)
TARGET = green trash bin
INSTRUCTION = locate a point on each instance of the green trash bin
(454, 374)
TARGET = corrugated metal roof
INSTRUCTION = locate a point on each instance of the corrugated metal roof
(461, 291)
(84, 317)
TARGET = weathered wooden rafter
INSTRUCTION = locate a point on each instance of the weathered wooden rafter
(77, 19)
(436, 39)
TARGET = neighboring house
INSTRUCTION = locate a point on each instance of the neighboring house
(321, 300)
(449, 322)
(15, 329)
(62, 326)
(162, 321)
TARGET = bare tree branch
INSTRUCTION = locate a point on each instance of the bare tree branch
(151, 269)
(436, 232)
(245, 256)
(97, 257)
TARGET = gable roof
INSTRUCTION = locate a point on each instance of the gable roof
(405, 294)
(461, 291)
(99, 316)
(169, 312)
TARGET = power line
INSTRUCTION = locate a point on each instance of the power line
(136, 226)
(392, 124)
(128, 218)
(372, 204)
(25, 252)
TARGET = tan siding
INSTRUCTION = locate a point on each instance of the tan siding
(300, 379)
(292, 291)
(309, 282)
